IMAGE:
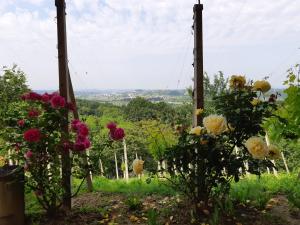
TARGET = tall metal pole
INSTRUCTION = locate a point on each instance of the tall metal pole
(64, 92)
(198, 63)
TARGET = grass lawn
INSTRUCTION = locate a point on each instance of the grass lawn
(253, 201)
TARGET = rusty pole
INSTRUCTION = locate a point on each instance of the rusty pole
(198, 63)
(64, 92)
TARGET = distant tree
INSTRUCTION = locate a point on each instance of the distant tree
(159, 137)
(212, 88)
(12, 86)
(216, 87)
(140, 109)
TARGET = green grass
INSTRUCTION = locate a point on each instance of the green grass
(259, 190)
(134, 186)
(250, 190)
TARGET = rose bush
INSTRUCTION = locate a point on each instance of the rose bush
(206, 159)
(37, 141)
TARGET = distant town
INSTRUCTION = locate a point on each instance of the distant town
(122, 97)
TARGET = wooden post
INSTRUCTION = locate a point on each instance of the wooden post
(198, 93)
(76, 116)
(63, 90)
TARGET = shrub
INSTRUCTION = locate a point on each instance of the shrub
(38, 142)
(205, 160)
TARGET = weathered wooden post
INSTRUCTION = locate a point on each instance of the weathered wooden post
(198, 93)
(64, 92)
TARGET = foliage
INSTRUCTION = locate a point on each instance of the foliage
(152, 216)
(287, 124)
(284, 128)
(205, 159)
(133, 202)
(159, 137)
(37, 139)
(216, 87)
(12, 86)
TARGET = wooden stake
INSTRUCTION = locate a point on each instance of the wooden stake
(285, 163)
(116, 164)
(63, 90)
(198, 94)
(125, 161)
(273, 161)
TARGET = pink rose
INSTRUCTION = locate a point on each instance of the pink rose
(32, 135)
(46, 97)
(111, 126)
(31, 96)
(74, 124)
(28, 154)
(21, 123)
(87, 143)
(79, 146)
(118, 134)
(57, 101)
(33, 113)
(82, 129)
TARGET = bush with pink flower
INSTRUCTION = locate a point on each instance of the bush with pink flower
(38, 140)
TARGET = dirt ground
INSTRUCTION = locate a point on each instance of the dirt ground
(113, 209)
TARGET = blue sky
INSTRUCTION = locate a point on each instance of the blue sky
(121, 44)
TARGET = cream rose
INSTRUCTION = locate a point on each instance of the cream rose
(215, 124)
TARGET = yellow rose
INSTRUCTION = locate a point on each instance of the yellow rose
(257, 147)
(137, 166)
(255, 101)
(196, 130)
(261, 85)
(198, 112)
(237, 81)
(274, 152)
(215, 124)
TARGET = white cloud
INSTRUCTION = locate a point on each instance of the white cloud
(34, 2)
(146, 43)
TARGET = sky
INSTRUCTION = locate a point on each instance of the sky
(148, 44)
